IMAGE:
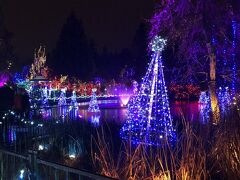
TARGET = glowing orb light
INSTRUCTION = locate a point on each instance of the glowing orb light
(21, 176)
(72, 156)
(40, 147)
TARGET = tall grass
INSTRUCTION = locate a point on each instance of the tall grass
(186, 160)
(225, 150)
(195, 156)
(103, 159)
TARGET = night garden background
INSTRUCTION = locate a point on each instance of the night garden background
(120, 90)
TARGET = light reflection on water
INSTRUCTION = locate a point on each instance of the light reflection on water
(113, 113)
(190, 110)
(117, 115)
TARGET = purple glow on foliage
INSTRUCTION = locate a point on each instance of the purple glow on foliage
(4, 79)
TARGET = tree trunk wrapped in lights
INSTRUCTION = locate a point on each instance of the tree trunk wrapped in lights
(212, 87)
(149, 120)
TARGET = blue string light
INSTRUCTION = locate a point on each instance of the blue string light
(234, 73)
(205, 107)
(225, 60)
(224, 99)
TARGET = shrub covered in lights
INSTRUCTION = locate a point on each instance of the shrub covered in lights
(35, 94)
(149, 120)
(204, 107)
(224, 99)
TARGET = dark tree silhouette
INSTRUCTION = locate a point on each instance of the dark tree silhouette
(103, 63)
(124, 64)
(139, 51)
(6, 50)
(71, 55)
(127, 64)
(192, 26)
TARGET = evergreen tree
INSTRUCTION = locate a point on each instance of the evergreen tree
(105, 64)
(123, 65)
(92, 58)
(139, 50)
(71, 55)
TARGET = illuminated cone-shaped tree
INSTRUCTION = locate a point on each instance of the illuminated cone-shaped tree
(62, 98)
(149, 120)
(93, 105)
(74, 99)
(45, 97)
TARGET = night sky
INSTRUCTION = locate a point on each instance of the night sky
(110, 23)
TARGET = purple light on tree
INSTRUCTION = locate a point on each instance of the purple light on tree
(234, 69)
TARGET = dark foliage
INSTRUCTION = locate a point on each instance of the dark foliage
(6, 49)
(139, 50)
(71, 55)
(6, 98)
